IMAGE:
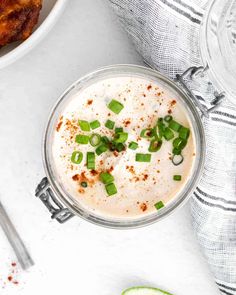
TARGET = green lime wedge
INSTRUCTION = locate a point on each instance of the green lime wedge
(144, 291)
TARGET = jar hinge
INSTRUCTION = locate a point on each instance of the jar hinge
(45, 193)
(192, 73)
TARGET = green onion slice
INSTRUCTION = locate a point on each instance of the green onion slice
(176, 151)
(159, 205)
(177, 159)
(90, 160)
(143, 157)
(95, 139)
(110, 124)
(84, 125)
(76, 157)
(184, 133)
(84, 184)
(174, 125)
(105, 140)
(168, 118)
(106, 177)
(115, 106)
(133, 145)
(120, 147)
(147, 133)
(155, 145)
(161, 127)
(95, 124)
(168, 133)
(177, 177)
(179, 143)
(101, 149)
(118, 129)
(82, 139)
(111, 189)
(121, 137)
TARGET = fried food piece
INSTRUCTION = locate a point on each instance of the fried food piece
(17, 19)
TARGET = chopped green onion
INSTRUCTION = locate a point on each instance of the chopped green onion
(177, 177)
(168, 134)
(95, 124)
(133, 145)
(177, 159)
(176, 151)
(118, 129)
(184, 133)
(95, 139)
(168, 118)
(106, 177)
(115, 106)
(76, 157)
(146, 133)
(111, 189)
(174, 125)
(90, 160)
(121, 137)
(143, 157)
(84, 184)
(105, 139)
(159, 205)
(110, 124)
(120, 147)
(84, 125)
(179, 143)
(112, 146)
(82, 139)
(101, 149)
(155, 145)
(161, 127)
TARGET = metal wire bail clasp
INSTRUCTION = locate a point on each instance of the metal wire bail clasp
(190, 74)
(47, 196)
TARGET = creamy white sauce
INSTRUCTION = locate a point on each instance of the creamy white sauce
(140, 185)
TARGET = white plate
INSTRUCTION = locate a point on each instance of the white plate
(51, 11)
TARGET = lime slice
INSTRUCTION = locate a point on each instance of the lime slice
(144, 291)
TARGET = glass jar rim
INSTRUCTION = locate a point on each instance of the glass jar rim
(70, 202)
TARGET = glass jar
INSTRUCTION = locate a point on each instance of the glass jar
(218, 45)
(62, 205)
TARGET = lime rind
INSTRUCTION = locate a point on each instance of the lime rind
(142, 290)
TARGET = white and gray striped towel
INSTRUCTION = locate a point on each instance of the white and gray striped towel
(166, 33)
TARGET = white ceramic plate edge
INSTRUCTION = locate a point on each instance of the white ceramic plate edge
(36, 37)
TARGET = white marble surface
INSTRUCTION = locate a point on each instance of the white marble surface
(77, 257)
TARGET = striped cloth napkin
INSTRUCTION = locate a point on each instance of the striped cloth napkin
(166, 34)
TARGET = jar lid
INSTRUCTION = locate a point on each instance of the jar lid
(218, 45)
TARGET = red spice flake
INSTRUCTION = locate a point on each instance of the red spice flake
(13, 264)
(59, 126)
(81, 190)
(145, 177)
(173, 102)
(15, 282)
(144, 95)
(169, 111)
(149, 87)
(143, 207)
(76, 177)
(89, 102)
(10, 278)
(126, 122)
(101, 162)
(110, 169)
(159, 94)
(131, 169)
(115, 153)
(108, 114)
(94, 172)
